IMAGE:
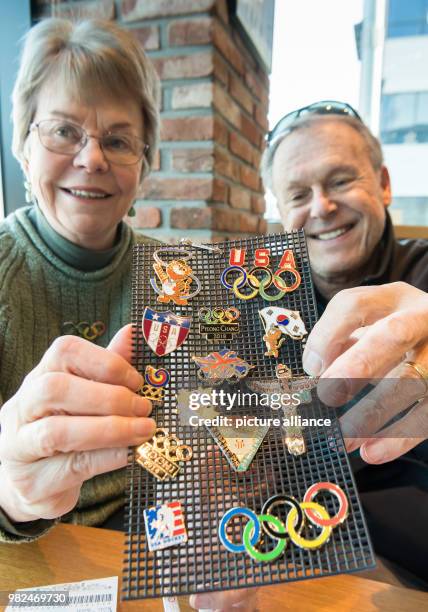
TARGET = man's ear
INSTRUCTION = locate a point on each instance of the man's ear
(385, 183)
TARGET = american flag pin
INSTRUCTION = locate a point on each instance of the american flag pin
(165, 525)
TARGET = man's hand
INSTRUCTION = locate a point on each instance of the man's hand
(73, 417)
(369, 333)
(226, 601)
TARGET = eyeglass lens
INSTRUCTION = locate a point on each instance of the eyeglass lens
(68, 139)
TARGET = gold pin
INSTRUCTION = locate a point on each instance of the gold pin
(154, 383)
(175, 276)
(218, 324)
(161, 454)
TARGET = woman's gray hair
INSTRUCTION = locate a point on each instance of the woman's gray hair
(374, 149)
(92, 57)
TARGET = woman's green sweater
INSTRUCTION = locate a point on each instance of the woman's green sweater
(39, 292)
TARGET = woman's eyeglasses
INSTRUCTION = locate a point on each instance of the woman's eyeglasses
(66, 138)
(324, 107)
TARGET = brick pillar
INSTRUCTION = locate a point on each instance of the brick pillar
(206, 182)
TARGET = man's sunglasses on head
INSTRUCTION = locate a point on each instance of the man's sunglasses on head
(324, 107)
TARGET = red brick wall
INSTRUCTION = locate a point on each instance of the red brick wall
(206, 182)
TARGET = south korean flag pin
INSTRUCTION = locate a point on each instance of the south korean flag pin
(165, 525)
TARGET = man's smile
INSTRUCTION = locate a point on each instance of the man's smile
(333, 233)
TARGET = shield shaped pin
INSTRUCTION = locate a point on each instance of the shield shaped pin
(164, 332)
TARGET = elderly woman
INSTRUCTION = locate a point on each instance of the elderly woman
(85, 113)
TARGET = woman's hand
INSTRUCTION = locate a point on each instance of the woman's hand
(73, 417)
(367, 334)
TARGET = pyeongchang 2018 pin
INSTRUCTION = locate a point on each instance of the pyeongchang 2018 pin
(164, 332)
(219, 323)
(165, 525)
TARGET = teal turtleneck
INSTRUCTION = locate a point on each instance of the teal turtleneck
(75, 256)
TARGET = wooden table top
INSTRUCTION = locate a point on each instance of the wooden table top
(70, 553)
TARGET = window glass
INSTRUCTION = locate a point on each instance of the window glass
(407, 18)
(404, 118)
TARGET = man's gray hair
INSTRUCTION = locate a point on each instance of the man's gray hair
(373, 146)
(92, 57)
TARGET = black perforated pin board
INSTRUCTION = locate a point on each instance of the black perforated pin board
(207, 486)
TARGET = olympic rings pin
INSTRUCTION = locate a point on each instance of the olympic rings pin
(161, 454)
(236, 277)
(273, 526)
(175, 276)
(219, 324)
(88, 331)
(154, 383)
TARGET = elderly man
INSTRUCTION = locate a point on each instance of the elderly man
(326, 170)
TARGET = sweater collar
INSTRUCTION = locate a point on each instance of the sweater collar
(27, 231)
(75, 256)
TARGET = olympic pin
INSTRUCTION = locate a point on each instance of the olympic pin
(165, 525)
(248, 284)
(160, 455)
(164, 332)
(279, 323)
(219, 324)
(222, 365)
(154, 383)
(175, 276)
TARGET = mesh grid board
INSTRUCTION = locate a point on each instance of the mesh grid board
(207, 486)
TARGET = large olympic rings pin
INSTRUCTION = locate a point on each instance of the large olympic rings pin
(251, 534)
(274, 527)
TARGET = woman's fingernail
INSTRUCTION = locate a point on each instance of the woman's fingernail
(373, 452)
(312, 363)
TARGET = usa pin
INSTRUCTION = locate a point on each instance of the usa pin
(165, 525)
(164, 332)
